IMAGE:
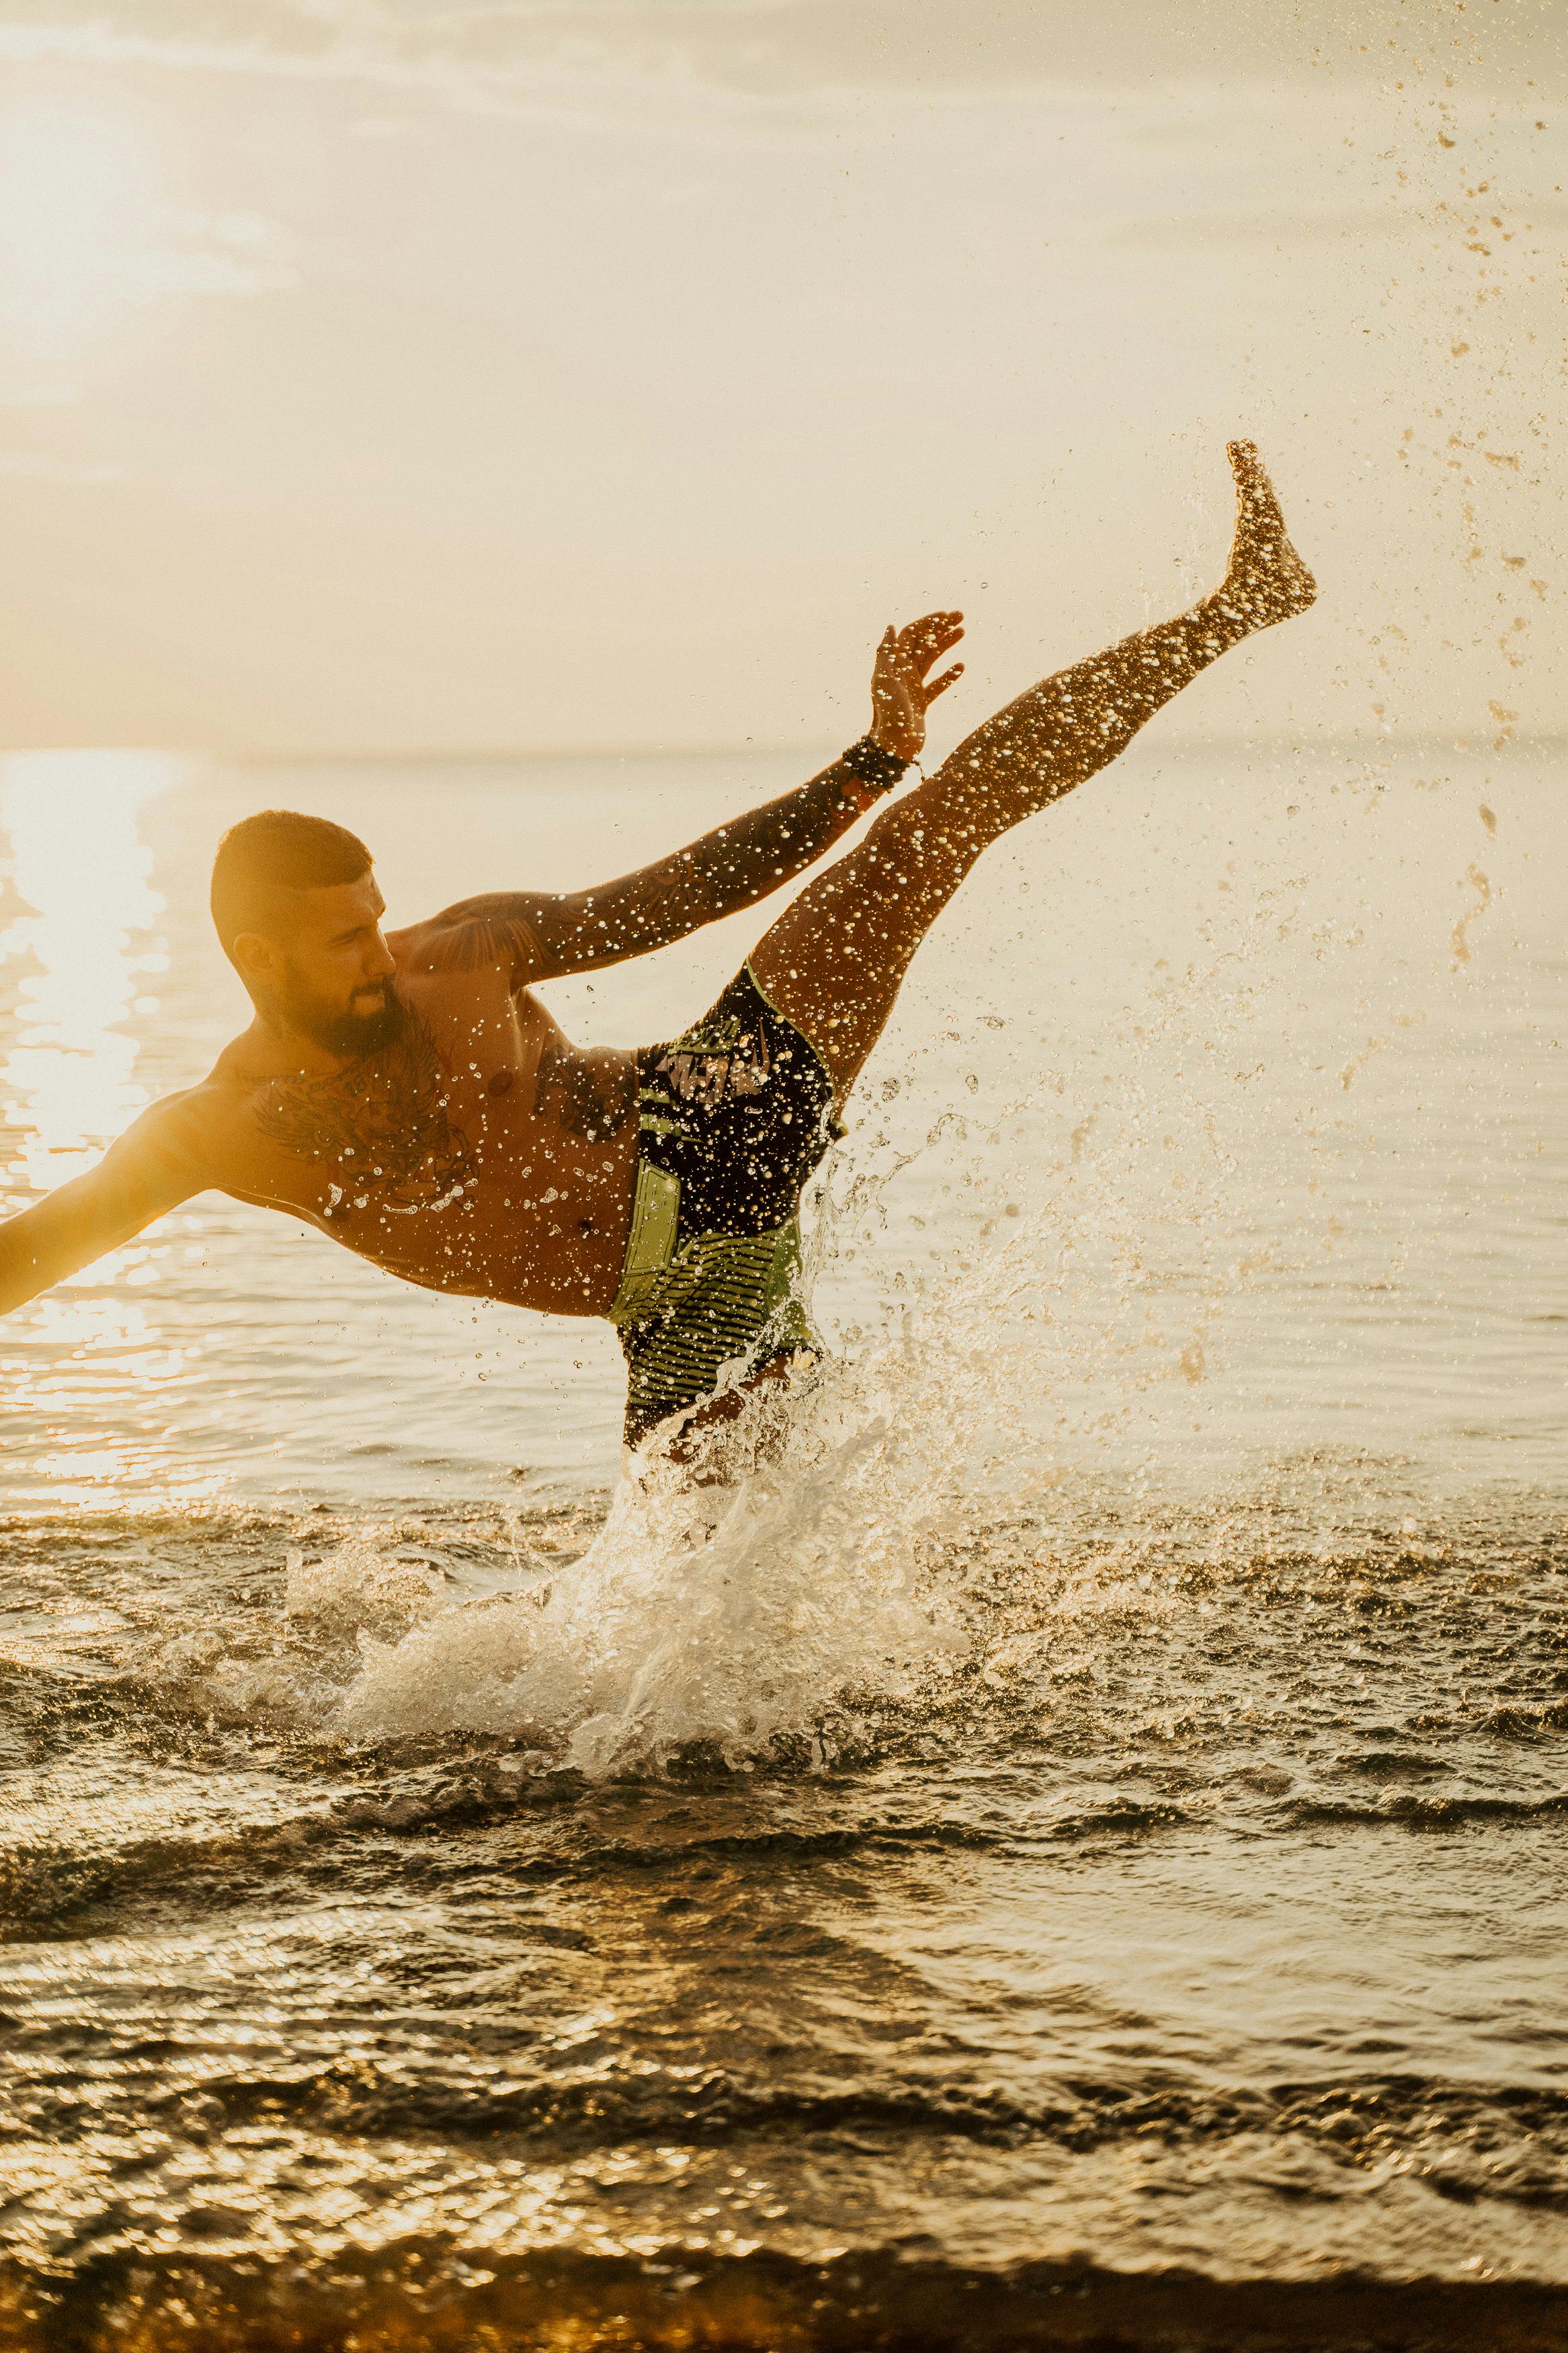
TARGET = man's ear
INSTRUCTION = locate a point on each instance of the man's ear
(256, 959)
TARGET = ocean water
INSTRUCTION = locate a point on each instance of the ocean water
(1071, 1849)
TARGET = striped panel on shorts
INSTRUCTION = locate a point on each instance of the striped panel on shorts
(725, 1301)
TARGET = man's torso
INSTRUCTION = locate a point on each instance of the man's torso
(477, 1151)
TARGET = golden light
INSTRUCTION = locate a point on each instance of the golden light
(80, 215)
(79, 865)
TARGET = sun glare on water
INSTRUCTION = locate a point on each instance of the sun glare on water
(80, 870)
(80, 959)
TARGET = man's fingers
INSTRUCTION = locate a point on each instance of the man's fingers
(925, 641)
(939, 685)
(929, 627)
(930, 654)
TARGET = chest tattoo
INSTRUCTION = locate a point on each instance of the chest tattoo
(380, 1126)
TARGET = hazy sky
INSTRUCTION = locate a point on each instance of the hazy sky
(379, 375)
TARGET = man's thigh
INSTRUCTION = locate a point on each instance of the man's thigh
(834, 962)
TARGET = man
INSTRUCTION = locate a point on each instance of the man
(408, 1095)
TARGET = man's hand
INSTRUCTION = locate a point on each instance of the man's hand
(900, 696)
(533, 935)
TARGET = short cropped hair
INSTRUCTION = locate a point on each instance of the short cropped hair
(264, 859)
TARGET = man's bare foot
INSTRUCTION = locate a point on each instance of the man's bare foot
(1267, 581)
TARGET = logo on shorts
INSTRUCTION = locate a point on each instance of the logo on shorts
(716, 1060)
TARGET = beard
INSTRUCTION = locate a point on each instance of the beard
(340, 1030)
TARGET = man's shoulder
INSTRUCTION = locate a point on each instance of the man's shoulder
(199, 1122)
(172, 1150)
(246, 1075)
(500, 932)
(213, 1136)
(189, 1121)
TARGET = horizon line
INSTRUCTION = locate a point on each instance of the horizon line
(497, 755)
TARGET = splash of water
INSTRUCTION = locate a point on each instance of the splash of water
(826, 1560)
(724, 1617)
(852, 1519)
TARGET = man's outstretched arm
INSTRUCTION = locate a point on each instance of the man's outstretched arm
(148, 1171)
(542, 935)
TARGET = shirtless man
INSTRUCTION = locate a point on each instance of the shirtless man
(407, 1095)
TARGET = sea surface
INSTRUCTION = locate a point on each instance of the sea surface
(1073, 1849)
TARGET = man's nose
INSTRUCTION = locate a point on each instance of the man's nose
(379, 964)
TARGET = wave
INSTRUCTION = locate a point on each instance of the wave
(887, 1571)
(519, 2093)
(670, 2294)
(1440, 1813)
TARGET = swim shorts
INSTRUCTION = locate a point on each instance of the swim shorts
(733, 1116)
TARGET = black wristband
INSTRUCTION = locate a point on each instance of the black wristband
(878, 770)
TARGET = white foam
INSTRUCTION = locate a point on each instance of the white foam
(358, 1585)
(832, 1559)
(1053, 1348)
(697, 1615)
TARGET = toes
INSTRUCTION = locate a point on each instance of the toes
(1255, 492)
(1251, 478)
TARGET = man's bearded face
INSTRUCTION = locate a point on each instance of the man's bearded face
(371, 1017)
(333, 978)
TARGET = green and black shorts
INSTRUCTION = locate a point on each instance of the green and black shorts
(733, 1116)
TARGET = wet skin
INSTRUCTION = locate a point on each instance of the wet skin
(412, 1098)
(474, 1149)
(477, 1151)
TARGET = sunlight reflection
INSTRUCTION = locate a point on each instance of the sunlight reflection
(80, 866)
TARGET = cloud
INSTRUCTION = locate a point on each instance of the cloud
(40, 466)
(222, 253)
(506, 55)
(90, 237)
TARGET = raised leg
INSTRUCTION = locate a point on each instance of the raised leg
(834, 961)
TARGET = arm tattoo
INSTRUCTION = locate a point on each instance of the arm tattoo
(484, 932)
(380, 1126)
(732, 866)
(534, 936)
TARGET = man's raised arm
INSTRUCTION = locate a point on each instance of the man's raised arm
(729, 869)
(148, 1171)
